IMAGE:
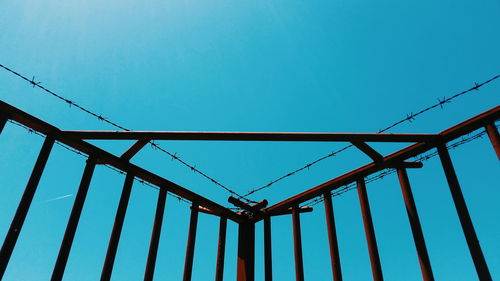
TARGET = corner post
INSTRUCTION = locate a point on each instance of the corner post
(246, 252)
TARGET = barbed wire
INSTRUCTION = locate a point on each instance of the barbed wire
(143, 182)
(409, 118)
(421, 158)
(100, 117)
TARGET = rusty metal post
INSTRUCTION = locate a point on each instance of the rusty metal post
(3, 120)
(24, 205)
(117, 228)
(69, 234)
(492, 131)
(155, 236)
(246, 252)
(188, 264)
(297, 245)
(463, 214)
(221, 250)
(268, 260)
(416, 228)
(369, 231)
(332, 238)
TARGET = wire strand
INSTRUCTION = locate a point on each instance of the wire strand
(422, 157)
(145, 183)
(100, 117)
(409, 118)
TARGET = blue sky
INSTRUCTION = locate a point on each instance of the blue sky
(274, 65)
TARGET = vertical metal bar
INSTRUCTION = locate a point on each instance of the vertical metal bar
(297, 244)
(492, 131)
(117, 228)
(23, 207)
(268, 260)
(246, 252)
(155, 236)
(221, 249)
(369, 231)
(188, 264)
(3, 120)
(332, 238)
(416, 228)
(463, 214)
(69, 234)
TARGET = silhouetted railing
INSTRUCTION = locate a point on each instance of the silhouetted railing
(250, 214)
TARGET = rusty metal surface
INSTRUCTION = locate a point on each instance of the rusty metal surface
(297, 245)
(332, 238)
(368, 150)
(245, 268)
(136, 147)
(416, 228)
(247, 136)
(369, 231)
(193, 225)
(252, 209)
(252, 212)
(89, 149)
(3, 120)
(221, 250)
(492, 131)
(268, 256)
(393, 159)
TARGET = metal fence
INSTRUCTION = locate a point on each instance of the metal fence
(250, 214)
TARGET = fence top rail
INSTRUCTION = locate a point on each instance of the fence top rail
(45, 128)
(395, 158)
(248, 136)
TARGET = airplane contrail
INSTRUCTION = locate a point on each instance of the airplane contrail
(58, 198)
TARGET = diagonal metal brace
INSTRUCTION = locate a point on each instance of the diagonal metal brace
(131, 152)
(136, 147)
(368, 150)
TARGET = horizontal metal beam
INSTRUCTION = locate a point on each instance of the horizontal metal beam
(391, 160)
(121, 164)
(205, 211)
(305, 209)
(247, 136)
(405, 164)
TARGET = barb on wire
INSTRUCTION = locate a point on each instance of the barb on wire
(421, 158)
(441, 103)
(34, 83)
(145, 183)
(409, 118)
(102, 118)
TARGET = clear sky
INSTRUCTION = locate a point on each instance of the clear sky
(237, 65)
